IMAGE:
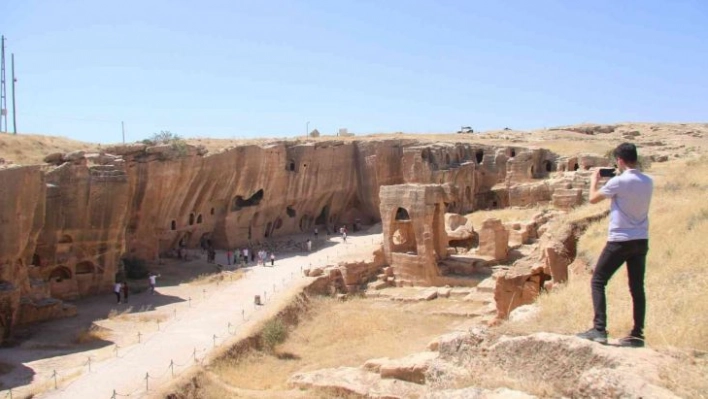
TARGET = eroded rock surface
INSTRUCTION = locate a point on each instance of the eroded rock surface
(66, 226)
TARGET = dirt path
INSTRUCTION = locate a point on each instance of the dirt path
(189, 328)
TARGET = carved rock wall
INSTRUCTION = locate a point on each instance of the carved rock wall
(78, 217)
(21, 217)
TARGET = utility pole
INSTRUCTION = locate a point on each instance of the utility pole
(3, 88)
(14, 80)
(122, 128)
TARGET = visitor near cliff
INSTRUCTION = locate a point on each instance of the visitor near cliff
(116, 290)
(152, 280)
(627, 242)
(272, 259)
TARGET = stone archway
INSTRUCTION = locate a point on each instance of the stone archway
(403, 239)
(61, 283)
(85, 267)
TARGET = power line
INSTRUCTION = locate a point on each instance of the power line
(3, 88)
(14, 109)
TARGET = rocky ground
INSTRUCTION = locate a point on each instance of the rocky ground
(661, 140)
(472, 361)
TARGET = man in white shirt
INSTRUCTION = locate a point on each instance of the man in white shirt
(627, 241)
(116, 290)
(153, 281)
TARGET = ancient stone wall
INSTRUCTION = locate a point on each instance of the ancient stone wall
(413, 223)
(84, 212)
(21, 218)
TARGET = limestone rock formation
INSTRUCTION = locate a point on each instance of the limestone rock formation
(547, 265)
(493, 240)
(84, 211)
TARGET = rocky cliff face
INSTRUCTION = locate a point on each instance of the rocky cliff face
(65, 227)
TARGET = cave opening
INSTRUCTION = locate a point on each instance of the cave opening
(239, 202)
(290, 211)
(548, 166)
(322, 218)
(479, 155)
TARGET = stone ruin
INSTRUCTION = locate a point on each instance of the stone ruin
(66, 225)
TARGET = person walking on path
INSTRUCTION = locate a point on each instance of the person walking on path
(152, 279)
(344, 237)
(272, 259)
(316, 232)
(126, 291)
(627, 242)
(228, 257)
(116, 290)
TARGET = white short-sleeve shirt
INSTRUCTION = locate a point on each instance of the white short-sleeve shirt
(630, 193)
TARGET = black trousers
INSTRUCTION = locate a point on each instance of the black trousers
(614, 254)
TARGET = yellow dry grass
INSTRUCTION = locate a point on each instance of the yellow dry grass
(211, 278)
(91, 334)
(144, 315)
(337, 334)
(27, 149)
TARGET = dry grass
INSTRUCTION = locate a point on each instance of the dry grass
(505, 215)
(116, 314)
(211, 278)
(144, 315)
(337, 334)
(494, 377)
(91, 334)
(31, 149)
(578, 145)
(676, 278)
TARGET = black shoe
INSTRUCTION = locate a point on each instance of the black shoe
(632, 341)
(594, 335)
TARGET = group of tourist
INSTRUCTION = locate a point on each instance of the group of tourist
(241, 256)
(122, 288)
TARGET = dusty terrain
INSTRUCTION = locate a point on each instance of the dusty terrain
(673, 139)
(675, 325)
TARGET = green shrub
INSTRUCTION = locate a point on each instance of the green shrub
(274, 333)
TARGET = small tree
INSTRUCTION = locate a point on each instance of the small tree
(165, 137)
(274, 333)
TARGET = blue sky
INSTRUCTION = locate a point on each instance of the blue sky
(265, 68)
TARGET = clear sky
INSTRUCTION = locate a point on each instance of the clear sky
(265, 68)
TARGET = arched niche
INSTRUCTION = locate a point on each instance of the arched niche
(85, 267)
(402, 214)
(59, 274)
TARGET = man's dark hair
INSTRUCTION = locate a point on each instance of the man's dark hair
(626, 152)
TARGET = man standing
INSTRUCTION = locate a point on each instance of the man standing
(628, 241)
(152, 279)
(116, 290)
